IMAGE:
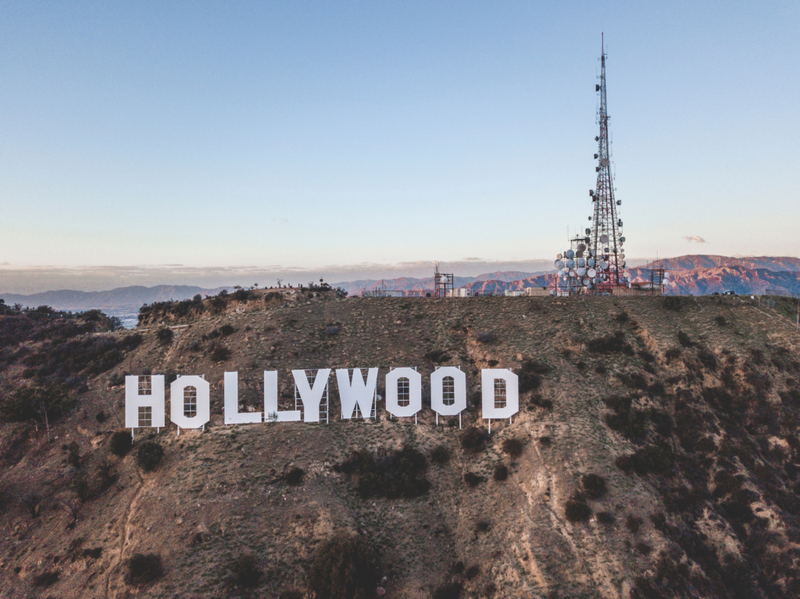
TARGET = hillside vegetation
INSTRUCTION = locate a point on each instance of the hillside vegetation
(655, 454)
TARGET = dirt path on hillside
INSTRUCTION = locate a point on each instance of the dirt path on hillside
(125, 533)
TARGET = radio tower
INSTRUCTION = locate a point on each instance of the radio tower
(605, 237)
(594, 262)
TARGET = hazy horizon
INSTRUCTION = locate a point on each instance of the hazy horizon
(27, 280)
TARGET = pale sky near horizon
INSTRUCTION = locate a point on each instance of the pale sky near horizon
(308, 134)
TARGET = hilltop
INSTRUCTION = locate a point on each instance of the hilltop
(655, 455)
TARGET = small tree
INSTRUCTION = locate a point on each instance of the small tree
(149, 455)
(120, 443)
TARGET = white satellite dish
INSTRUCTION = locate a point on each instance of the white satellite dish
(581, 272)
(591, 272)
(587, 281)
(559, 256)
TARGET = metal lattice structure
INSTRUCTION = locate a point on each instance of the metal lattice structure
(605, 238)
(443, 284)
(595, 262)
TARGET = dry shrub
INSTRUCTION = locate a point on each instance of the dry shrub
(513, 447)
(143, 568)
(500, 472)
(473, 439)
(594, 486)
(344, 567)
(120, 443)
(245, 572)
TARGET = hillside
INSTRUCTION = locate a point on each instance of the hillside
(655, 454)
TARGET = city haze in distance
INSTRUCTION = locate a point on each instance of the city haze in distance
(283, 139)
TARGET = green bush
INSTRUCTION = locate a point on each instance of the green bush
(610, 344)
(576, 509)
(120, 443)
(344, 567)
(164, 336)
(143, 568)
(594, 486)
(440, 454)
(149, 455)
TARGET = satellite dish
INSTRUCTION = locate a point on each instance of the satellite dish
(570, 263)
(591, 252)
(604, 162)
(581, 272)
(559, 256)
(579, 254)
(590, 262)
(559, 264)
(581, 262)
(666, 275)
(604, 238)
(586, 281)
(570, 254)
(572, 273)
(623, 263)
(591, 272)
(581, 247)
(604, 266)
(622, 239)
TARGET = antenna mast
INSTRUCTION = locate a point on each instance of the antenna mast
(606, 234)
(595, 262)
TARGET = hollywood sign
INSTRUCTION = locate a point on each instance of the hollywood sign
(190, 405)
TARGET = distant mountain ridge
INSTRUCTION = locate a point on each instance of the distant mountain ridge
(122, 297)
(695, 274)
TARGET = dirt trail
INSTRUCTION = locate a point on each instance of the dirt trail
(125, 533)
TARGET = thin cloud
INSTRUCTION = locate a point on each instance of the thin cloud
(696, 238)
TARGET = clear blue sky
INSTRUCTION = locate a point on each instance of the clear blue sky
(306, 134)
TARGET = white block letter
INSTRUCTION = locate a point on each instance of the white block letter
(411, 392)
(504, 382)
(271, 413)
(358, 393)
(311, 396)
(190, 406)
(153, 400)
(456, 388)
(232, 414)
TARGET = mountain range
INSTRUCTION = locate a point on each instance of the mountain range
(697, 274)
